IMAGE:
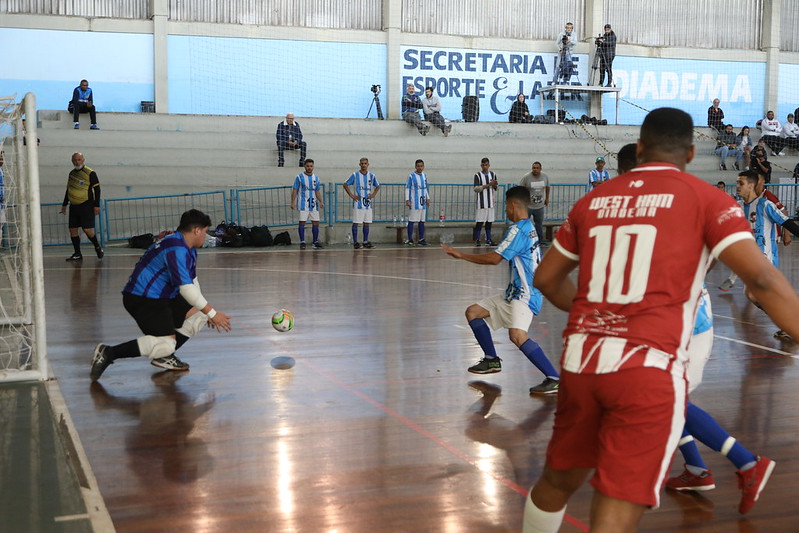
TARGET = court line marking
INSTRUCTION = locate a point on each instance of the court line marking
(436, 440)
(71, 517)
(753, 345)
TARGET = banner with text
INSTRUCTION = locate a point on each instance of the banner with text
(691, 85)
(495, 77)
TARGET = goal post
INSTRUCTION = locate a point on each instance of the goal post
(23, 341)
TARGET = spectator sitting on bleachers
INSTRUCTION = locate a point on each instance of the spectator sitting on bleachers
(726, 144)
(760, 162)
(772, 130)
(790, 133)
(289, 137)
(411, 104)
(431, 107)
(744, 143)
(519, 112)
(715, 116)
(83, 102)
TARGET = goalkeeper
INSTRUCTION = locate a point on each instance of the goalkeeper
(164, 298)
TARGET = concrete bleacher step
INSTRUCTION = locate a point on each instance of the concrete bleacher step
(149, 154)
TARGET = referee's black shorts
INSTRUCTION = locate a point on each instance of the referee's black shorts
(159, 317)
(81, 215)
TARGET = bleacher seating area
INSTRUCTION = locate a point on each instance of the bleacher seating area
(138, 155)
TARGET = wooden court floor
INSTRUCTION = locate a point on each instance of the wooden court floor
(377, 427)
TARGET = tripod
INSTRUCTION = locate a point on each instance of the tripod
(375, 102)
(595, 66)
(564, 68)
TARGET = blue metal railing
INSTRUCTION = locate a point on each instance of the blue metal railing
(126, 217)
(457, 201)
(270, 206)
(55, 230)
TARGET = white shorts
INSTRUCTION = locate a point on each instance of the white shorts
(699, 350)
(509, 315)
(3, 216)
(484, 214)
(417, 215)
(362, 216)
(313, 216)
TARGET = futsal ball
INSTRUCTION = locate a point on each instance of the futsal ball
(283, 320)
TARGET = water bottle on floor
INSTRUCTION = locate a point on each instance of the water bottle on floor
(441, 218)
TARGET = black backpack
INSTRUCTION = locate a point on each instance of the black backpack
(141, 241)
(282, 239)
(261, 236)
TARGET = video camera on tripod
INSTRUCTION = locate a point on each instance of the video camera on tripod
(376, 89)
(375, 102)
(600, 40)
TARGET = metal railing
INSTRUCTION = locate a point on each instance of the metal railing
(125, 217)
(456, 201)
(562, 196)
(55, 230)
(270, 206)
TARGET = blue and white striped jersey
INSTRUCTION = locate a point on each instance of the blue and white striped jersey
(520, 248)
(596, 177)
(364, 185)
(765, 219)
(704, 314)
(416, 190)
(164, 267)
(306, 187)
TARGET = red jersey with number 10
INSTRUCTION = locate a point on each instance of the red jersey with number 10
(644, 241)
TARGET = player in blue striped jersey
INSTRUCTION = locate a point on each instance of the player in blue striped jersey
(364, 188)
(164, 297)
(515, 308)
(598, 175)
(417, 197)
(765, 219)
(306, 196)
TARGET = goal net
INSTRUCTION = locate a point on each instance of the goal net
(22, 326)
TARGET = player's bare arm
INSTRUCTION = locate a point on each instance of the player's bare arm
(491, 258)
(767, 284)
(552, 279)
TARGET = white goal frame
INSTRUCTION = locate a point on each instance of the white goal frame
(25, 158)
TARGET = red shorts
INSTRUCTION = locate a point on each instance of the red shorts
(624, 424)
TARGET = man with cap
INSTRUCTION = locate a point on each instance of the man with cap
(606, 48)
(598, 174)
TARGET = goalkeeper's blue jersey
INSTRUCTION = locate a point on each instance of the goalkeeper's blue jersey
(164, 267)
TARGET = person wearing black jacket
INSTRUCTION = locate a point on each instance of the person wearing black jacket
(289, 137)
(519, 112)
(606, 48)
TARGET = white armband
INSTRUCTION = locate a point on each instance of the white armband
(191, 293)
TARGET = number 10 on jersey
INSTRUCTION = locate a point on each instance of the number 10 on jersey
(621, 264)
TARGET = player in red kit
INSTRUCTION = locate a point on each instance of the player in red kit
(643, 242)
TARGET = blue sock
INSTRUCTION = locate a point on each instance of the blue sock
(690, 453)
(355, 233)
(301, 231)
(315, 232)
(536, 355)
(421, 231)
(488, 231)
(483, 335)
(707, 431)
(410, 231)
(365, 232)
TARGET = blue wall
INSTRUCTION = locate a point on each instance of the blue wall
(237, 76)
(690, 85)
(50, 63)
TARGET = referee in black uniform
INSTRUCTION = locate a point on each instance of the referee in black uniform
(83, 198)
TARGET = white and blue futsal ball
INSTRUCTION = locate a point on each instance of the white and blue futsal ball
(283, 320)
